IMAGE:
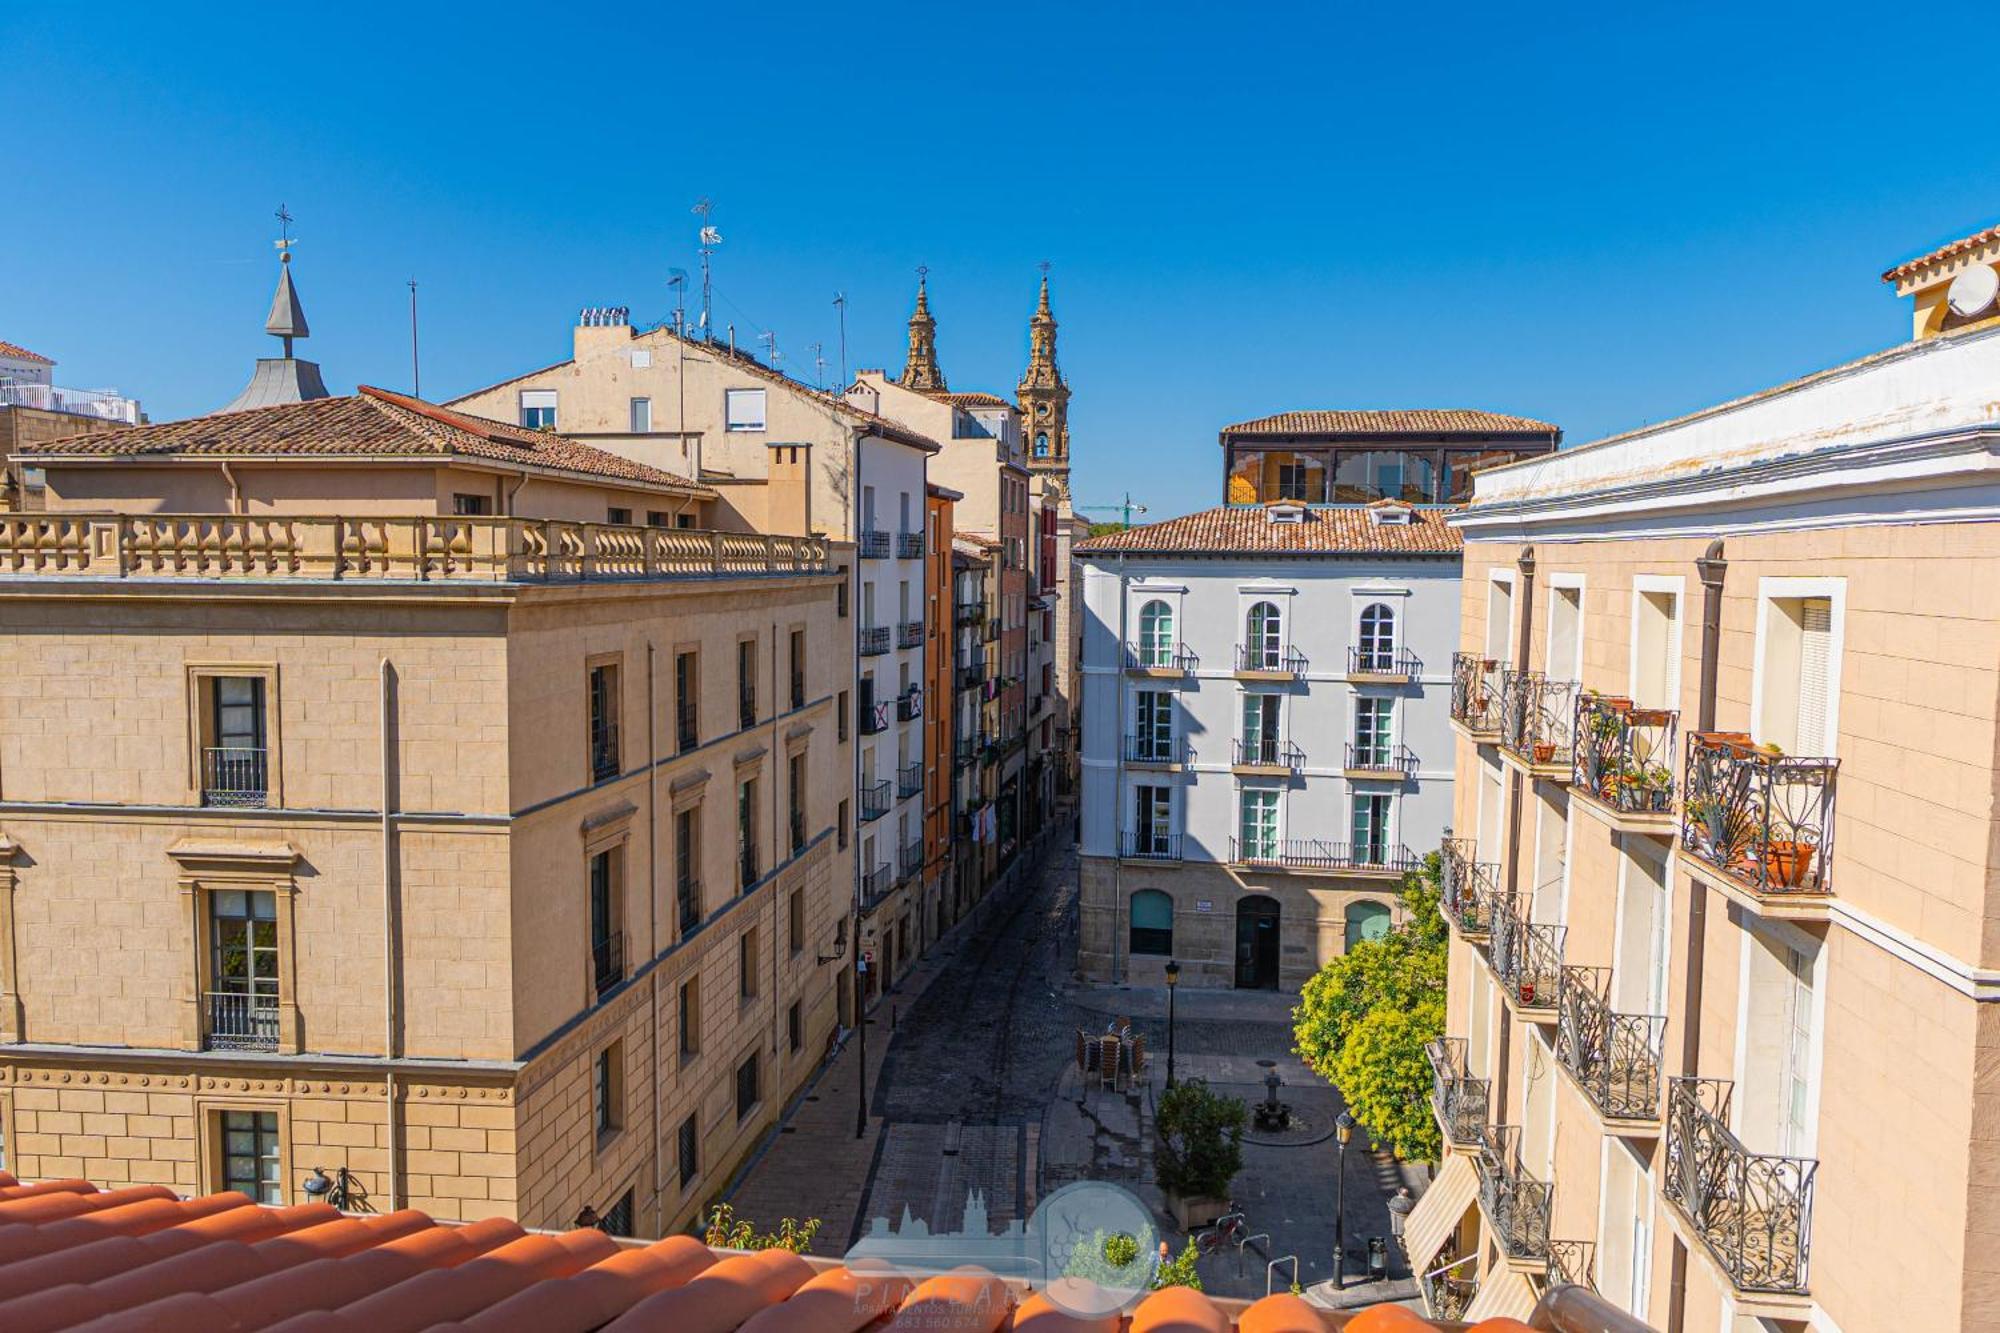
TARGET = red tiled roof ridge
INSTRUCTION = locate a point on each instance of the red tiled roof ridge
(1949, 250)
(20, 353)
(1390, 421)
(1321, 530)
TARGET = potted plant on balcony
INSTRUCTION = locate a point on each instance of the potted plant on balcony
(1788, 862)
(1544, 751)
(1526, 990)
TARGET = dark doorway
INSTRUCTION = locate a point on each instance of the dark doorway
(1256, 942)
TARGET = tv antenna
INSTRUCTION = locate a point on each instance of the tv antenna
(840, 304)
(710, 239)
(677, 282)
(772, 356)
(416, 374)
(818, 351)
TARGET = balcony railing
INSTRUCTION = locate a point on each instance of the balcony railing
(1316, 854)
(1287, 661)
(1526, 956)
(1471, 887)
(425, 549)
(1614, 1057)
(607, 960)
(1389, 761)
(1572, 1262)
(604, 751)
(1624, 756)
(234, 776)
(1382, 661)
(993, 628)
(972, 677)
(910, 634)
(965, 614)
(1174, 752)
(242, 1021)
(1160, 657)
(1449, 1289)
(876, 884)
(910, 778)
(910, 705)
(1538, 717)
(1516, 1203)
(1762, 818)
(687, 901)
(874, 545)
(1267, 752)
(874, 718)
(1475, 692)
(875, 800)
(1753, 1211)
(1149, 846)
(964, 751)
(910, 859)
(874, 640)
(909, 546)
(1459, 1099)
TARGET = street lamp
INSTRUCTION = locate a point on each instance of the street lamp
(1344, 1127)
(1173, 984)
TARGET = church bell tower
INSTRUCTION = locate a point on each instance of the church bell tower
(1044, 398)
(920, 367)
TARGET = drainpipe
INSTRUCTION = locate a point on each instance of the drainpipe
(1711, 568)
(857, 981)
(653, 925)
(514, 491)
(389, 930)
(235, 491)
(1118, 782)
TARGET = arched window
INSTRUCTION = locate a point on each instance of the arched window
(1263, 642)
(1041, 444)
(1376, 650)
(1152, 923)
(1366, 921)
(1156, 634)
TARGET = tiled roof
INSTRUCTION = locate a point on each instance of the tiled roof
(972, 399)
(373, 423)
(1943, 252)
(1415, 421)
(1249, 530)
(140, 1259)
(20, 353)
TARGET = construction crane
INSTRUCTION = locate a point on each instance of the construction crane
(1124, 510)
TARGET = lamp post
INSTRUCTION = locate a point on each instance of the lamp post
(1173, 984)
(1344, 1127)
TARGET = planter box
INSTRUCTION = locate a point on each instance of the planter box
(1195, 1211)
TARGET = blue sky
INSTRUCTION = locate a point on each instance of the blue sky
(1591, 215)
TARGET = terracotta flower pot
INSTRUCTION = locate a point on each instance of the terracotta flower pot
(1789, 862)
(1544, 751)
(1527, 992)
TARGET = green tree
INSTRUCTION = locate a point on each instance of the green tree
(1363, 1020)
(1201, 1140)
(726, 1231)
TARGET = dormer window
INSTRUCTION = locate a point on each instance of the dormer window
(1285, 512)
(1391, 514)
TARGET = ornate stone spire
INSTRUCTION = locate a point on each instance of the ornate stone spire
(1044, 396)
(920, 368)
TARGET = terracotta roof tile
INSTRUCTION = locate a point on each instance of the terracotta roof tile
(971, 399)
(1951, 251)
(20, 353)
(373, 423)
(1322, 530)
(1414, 421)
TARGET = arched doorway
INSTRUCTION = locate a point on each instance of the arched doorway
(1366, 921)
(1256, 942)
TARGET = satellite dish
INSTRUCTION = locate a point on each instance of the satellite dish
(1973, 290)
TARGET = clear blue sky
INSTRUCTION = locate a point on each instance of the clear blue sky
(1585, 215)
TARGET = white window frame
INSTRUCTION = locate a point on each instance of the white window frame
(1504, 576)
(1785, 935)
(1392, 822)
(1355, 698)
(1672, 584)
(748, 395)
(632, 414)
(1775, 589)
(533, 398)
(1277, 812)
(1567, 582)
(1629, 847)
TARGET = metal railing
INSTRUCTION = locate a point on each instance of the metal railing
(1538, 717)
(687, 901)
(1471, 887)
(966, 614)
(1525, 955)
(1317, 854)
(875, 800)
(235, 776)
(1160, 657)
(1458, 1099)
(1763, 818)
(746, 708)
(1390, 761)
(874, 718)
(910, 705)
(242, 1020)
(1753, 1211)
(972, 677)
(604, 750)
(607, 960)
(1259, 657)
(910, 858)
(876, 884)
(1475, 692)
(1447, 1295)
(1624, 756)
(1572, 1262)
(874, 640)
(1614, 1057)
(1516, 1203)
(909, 545)
(964, 751)
(910, 778)
(910, 634)
(97, 404)
(1382, 661)
(1153, 750)
(1268, 752)
(873, 545)
(1149, 846)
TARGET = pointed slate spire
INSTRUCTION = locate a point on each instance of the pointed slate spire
(283, 379)
(288, 317)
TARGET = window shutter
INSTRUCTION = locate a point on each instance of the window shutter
(1815, 648)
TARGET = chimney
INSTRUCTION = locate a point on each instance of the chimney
(599, 327)
(788, 490)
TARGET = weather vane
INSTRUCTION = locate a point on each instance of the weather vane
(284, 242)
(1044, 267)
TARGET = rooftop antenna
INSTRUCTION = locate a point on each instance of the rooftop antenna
(710, 238)
(819, 364)
(772, 356)
(416, 372)
(677, 282)
(840, 304)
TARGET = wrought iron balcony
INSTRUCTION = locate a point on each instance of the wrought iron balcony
(874, 718)
(1624, 756)
(1458, 1099)
(964, 751)
(1573, 1262)
(910, 859)
(1317, 854)
(1753, 1211)
(607, 960)
(1394, 662)
(1389, 761)
(874, 545)
(1516, 1204)
(687, 902)
(876, 884)
(234, 776)
(910, 705)
(966, 614)
(1149, 846)
(1471, 887)
(1614, 1057)
(1160, 658)
(972, 677)
(1475, 692)
(874, 640)
(1764, 819)
(242, 1020)
(875, 800)
(1265, 660)
(1526, 956)
(1449, 1288)
(604, 751)
(910, 778)
(1538, 718)
(909, 546)
(1268, 752)
(1173, 753)
(910, 634)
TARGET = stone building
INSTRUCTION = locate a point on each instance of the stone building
(451, 804)
(34, 408)
(1722, 873)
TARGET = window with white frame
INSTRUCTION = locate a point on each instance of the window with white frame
(1262, 740)
(1263, 638)
(1796, 703)
(1257, 824)
(1153, 734)
(1376, 641)
(538, 409)
(1374, 728)
(1156, 634)
(1152, 819)
(744, 409)
(1656, 668)
(1565, 632)
(1499, 619)
(642, 416)
(1370, 827)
